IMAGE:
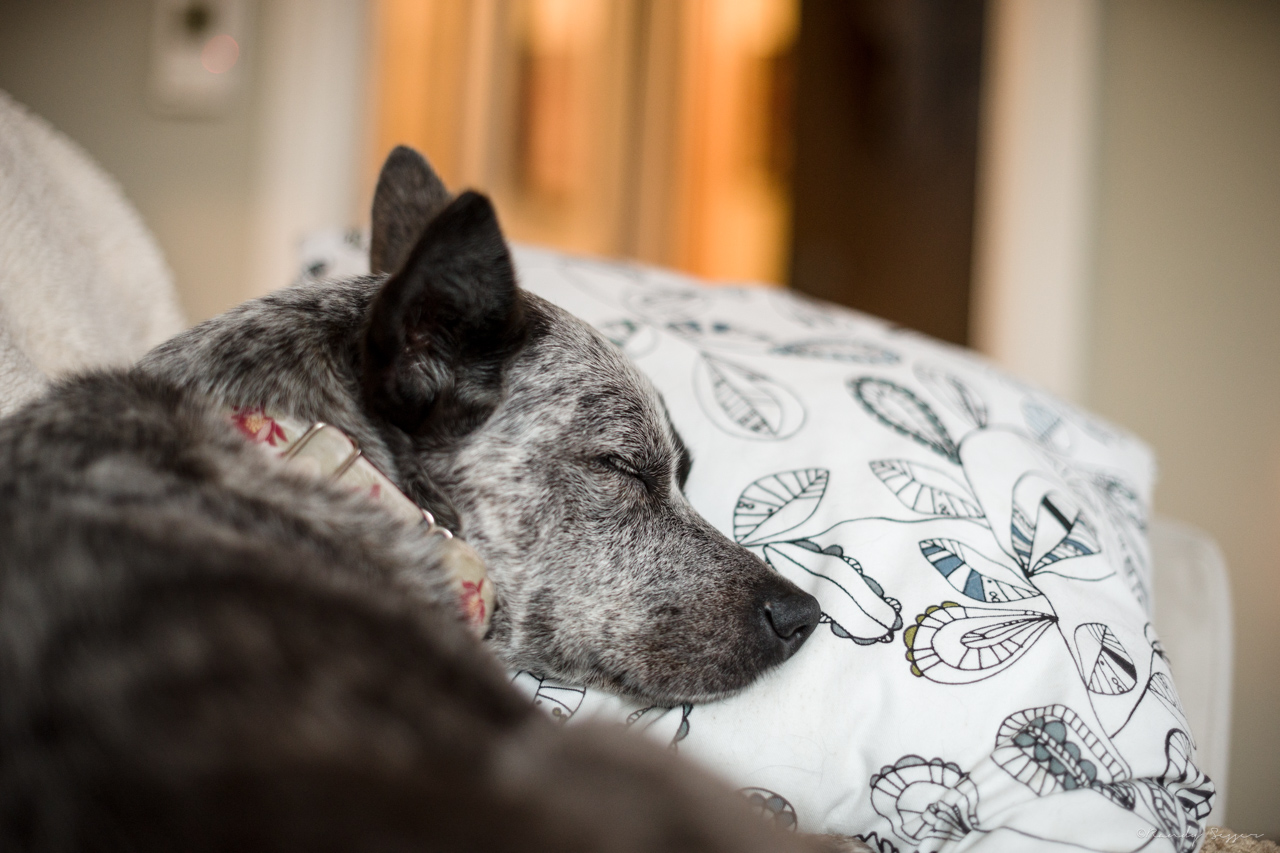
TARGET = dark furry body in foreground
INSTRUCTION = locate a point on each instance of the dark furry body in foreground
(202, 650)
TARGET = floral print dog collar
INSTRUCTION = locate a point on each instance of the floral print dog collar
(327, 453)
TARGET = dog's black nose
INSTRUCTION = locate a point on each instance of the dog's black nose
(793, 616)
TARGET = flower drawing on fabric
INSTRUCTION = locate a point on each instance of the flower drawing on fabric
(1051, 749)
(561, 701)
(254, 423)
(927, 802)
(668, 724)
(959, 644)
(774, 808)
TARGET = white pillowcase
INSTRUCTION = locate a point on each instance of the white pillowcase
(986, 676)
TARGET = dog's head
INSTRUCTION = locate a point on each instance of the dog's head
(528, 432)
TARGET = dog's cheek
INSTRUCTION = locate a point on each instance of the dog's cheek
(515, 516)
(706, 635)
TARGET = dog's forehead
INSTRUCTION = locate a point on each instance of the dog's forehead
(587, 375)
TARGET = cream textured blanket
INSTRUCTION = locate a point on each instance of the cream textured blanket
(82, 282)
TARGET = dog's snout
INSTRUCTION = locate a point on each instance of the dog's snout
(793, 616)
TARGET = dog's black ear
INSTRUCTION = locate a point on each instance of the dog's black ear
(443, 326)
(409, 195)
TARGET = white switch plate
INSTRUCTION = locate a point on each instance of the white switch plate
(189, 76)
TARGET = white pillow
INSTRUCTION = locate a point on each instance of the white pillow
(987, 675)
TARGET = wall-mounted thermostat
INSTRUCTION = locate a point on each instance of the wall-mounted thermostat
(197, 61)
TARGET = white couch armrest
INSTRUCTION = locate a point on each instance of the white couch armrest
(1192, 599)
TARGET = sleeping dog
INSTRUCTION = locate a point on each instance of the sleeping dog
(203, 648)
(524, 431)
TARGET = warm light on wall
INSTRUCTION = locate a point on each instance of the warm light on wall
(736, 143)
(653, 129)
(553, 122)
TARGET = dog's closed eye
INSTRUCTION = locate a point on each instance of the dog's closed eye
(621, 466)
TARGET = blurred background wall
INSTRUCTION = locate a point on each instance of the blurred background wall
(1184, 305)
(83, 67)
(1093, 187)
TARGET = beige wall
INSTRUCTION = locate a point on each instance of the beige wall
(1185, 316)
(229, 197)
(82, 64)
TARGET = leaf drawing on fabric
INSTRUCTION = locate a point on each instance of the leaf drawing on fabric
(958, 644)
(1161, 686)
(633, 337)
(1121, 498)
(721, 335)
(958, 396)
(775, 504)
(1177, 802)
(772, 807)
(844, 350)
(1192, 788)
(926, 802)
(1137, 585)
(746, 403)
(1110, 670)
(663, 722)
(1154, 802)
(814, 313)
(1051, 749)
(974, 575)
(1046, 424)
(561, 701)
(853, 604)
(611, 283)
(1157, 647)
(1055, 529)
(904, 412)
(668, 304)
(926, 490)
